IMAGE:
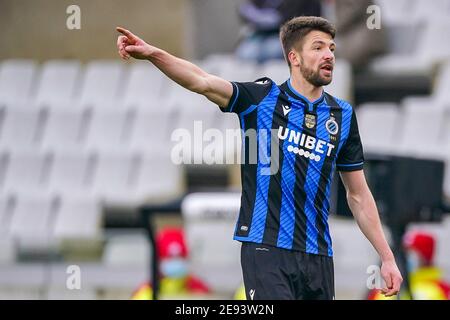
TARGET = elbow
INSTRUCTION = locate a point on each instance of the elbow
(197, 88)
(353, 199)
(357, 200)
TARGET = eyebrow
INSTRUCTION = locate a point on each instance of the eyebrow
(323, 42)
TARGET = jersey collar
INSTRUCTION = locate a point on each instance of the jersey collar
(298, 96)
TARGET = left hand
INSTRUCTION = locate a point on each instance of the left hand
(392, 277)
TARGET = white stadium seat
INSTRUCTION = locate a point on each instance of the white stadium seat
(420, 131)
(78, 218)
(32, 221)
(430, 51)
(16, 81)
(70, 173)
(145, 84)
(26, 171)
(21, 127)
(378, 126)
(231, 68)
(152, 128)
(209, 222)
(58, 82)
(157, 178)
(65, 128)
(102, 84)
(109, 129)
(114, 176)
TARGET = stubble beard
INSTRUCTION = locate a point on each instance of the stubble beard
(312, 76)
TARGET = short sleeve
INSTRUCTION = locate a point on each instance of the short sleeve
(351, 156)
(246, 94)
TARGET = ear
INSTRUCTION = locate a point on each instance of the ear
(294, 58)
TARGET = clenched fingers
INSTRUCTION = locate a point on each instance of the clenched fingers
(122, 42)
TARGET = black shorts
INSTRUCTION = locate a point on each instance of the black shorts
(272, 273)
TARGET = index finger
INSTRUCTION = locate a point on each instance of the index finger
(126, 33)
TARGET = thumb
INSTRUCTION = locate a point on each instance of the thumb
(388, 280)
(132, 49)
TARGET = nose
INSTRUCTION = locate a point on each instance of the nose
(329, 55)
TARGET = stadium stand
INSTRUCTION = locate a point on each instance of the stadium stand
(77, 139)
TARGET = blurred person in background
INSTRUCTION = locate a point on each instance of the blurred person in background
(357, 43)
(175, 278)
(286, 250)
(263, 19)
(426, 280)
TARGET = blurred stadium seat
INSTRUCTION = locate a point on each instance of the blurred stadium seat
(21, 127)
(429, 52)
(17, 81)
(31, 223)
(79, 138)
(65, 128)
(70, 173)
(57, 82)
(145, 83)
(78, 218)
(114, 176)
(210, 219)
(377, 124)
(25, 171)
(420, 131)
(152, 127)
(109, 129)
(101, 84)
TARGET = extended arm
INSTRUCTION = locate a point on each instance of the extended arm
(181, 71)
(363, 207)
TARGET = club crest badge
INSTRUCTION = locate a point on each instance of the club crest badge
(310, 121)
(332, 126)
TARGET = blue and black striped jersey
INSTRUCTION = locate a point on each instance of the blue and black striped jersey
(295, 146)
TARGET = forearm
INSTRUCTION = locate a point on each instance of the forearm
(366, 214)
(181, 71)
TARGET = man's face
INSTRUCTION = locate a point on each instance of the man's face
(316, 58)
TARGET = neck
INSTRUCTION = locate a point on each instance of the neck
(306, 89)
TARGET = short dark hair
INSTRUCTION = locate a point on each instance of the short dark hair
(294, 30)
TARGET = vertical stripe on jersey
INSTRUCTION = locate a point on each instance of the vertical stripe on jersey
(287, 212)
(275, 185)
(300, 193)
(326, 209)
(347, 112)
(248, 176)
(323, 239)
(264, 120)
(313, 178)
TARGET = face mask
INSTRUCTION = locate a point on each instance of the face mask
(174, 268)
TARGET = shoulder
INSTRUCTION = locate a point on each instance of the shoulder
(255, 91)
(343, 104)
(261, 85)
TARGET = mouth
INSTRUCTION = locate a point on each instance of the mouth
(327, 68)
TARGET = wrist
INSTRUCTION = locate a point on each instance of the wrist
(153, 53)
(387, 257)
